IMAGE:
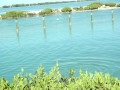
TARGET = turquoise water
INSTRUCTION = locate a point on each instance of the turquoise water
(86, 45)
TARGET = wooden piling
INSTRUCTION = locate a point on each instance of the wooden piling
(91, 15)
(70, 24)
(17, 29)
(113, 20)
(44, 27)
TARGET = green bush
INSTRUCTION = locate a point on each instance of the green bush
(46, 11)
(4, 17)
(31, 14)
(42, 13)
(87, 8)
(66, 9)
(110, 4)
(118, 5)
(78, 8)
(13, 14)
(93, 6)
(55, 81)
(18, 5)
(5, 6)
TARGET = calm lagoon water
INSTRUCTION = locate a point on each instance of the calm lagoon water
(86, 45)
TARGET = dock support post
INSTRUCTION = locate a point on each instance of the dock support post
(17, 29)
(113, 20)
(91, 14)
(44, 27)
(70, 24)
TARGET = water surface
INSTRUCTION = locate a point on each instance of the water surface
(75, 42)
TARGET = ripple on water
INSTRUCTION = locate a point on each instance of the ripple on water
(91, 64)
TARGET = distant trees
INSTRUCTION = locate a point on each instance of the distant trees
(19, 5)
(49, 11)
(13, 14)
(118, 5)
(66, 10)
(33, 4)
(78, 8)
(110, 4)
(46, 11)
(92, 6)
(5, 6)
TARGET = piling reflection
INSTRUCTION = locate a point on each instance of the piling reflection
(17, 30)
(113, 20)
(92, 22)
(44, 27)
(70, 24)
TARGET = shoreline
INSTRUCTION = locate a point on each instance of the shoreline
(33, 13)
(42, 3)
(73, 11)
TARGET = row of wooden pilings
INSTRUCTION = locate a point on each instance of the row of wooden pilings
(92, 20)
(70, 24)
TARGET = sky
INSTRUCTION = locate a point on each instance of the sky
(9, 2)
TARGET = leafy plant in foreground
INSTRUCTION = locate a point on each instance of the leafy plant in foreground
(55, 81)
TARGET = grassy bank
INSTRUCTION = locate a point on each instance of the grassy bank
(54, 80)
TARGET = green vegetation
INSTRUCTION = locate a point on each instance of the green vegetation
(55, 81)
(118, 5)
(78, 8)
(29, 14)
(13, 14)
(66, 10)
(93, 6)
(110, 4)
(5, 6)
(33, 4)
(19, 5)
(46, 11)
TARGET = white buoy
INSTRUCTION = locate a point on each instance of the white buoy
(57, 19)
